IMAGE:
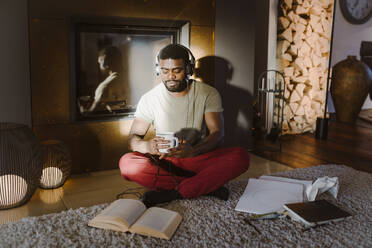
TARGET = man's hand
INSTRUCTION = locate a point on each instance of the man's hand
(157, 143)
(184, 150)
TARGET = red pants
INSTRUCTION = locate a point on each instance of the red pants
(213, 169)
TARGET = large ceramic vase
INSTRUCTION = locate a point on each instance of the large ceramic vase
(351, 83)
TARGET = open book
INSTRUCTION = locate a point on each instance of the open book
(315, 212)
(128, 215)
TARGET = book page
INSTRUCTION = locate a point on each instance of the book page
(109, 222)
(157, 222)
(265, 196)
(122, 212)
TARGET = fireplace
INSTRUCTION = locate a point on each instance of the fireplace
(112, 63)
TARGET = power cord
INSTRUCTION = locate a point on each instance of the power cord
(130, 191)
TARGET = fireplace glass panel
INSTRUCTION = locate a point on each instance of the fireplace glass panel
(121, 66)
(113, 65)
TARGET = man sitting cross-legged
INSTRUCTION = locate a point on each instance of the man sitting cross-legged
(180, 105)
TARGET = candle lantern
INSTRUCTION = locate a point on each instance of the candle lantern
(57, 164)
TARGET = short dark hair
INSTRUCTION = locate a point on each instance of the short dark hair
(174, 51)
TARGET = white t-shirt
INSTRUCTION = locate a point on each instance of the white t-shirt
(170, 114)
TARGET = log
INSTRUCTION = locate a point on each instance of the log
(302, 21)
(299, 119)
(288, 71)
(304, 50)
(315, 59)
(287, 57)
(288, 113)
(294, 98)
(327, 27)
(324, 44)
(293, 106)
(290, 86)
(306, 4)
(307, 61)
(313, 39)
(316, 10)
(287, 94)
(305, 101)
(301, 79)
(291, 15)
(282, 46)
(289, 3)
(325, 3)
(285, 63)
(293, 50)
(317, 27)
(298, 36)
(284, 22)
(314, 19)
(314, 76)
(300, 90)
(287, 34)
(301, 10)
(309, 31)
(299, 63)
(300, 28)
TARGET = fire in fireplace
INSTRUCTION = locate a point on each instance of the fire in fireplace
(112, 63)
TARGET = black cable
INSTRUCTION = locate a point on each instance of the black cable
(169, 167)
(130, 191)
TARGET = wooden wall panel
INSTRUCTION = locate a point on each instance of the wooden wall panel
(202, 41)
(94, 146)
(199, 12)
(49, 71)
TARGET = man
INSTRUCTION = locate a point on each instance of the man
(172, 106)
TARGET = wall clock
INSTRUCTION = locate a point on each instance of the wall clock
(356, 11)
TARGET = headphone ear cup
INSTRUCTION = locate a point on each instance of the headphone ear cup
(157, 69)
(189, 69)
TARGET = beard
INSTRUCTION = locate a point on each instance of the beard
(175, 85)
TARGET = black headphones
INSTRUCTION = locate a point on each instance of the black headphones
(189, 65)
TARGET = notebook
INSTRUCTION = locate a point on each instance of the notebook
(266, 196)
(306, 183)
(315, 212)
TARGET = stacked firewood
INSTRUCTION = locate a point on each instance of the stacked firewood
(303, 48)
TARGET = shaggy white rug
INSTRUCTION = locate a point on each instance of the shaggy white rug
(208, 222)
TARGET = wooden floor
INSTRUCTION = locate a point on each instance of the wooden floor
(346, 144)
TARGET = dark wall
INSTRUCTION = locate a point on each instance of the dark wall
(235, 65)
(14, 63)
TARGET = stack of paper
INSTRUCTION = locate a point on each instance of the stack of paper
(268, 194)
